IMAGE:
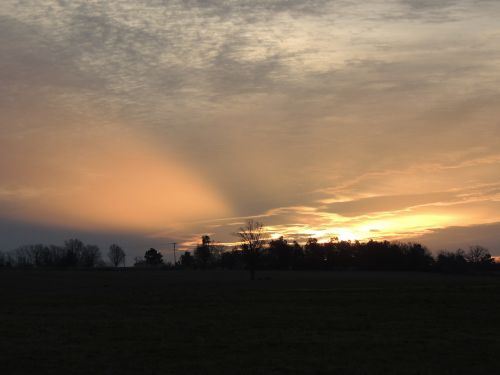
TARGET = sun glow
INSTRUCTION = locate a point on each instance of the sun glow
(390, 227)
(347, 235)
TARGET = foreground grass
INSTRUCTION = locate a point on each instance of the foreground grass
(158, 322)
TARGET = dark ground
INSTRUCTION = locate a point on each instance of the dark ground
(182, 322)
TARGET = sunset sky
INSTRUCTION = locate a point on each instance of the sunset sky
(144, 122)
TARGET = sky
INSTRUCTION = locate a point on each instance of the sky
(147, 122)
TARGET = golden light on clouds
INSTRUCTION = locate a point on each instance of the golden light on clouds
(106, 181)
(389, 227)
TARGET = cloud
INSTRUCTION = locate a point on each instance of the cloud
(385, 203)
(453, 238)
(349, 109)
(101, 182)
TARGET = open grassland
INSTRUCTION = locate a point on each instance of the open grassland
(182, 322)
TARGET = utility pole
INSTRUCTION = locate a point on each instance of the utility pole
(175, 257)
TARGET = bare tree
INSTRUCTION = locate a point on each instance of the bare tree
(22, 257)
(116, 255)
(90, 256)
(478, 255)
(253, 238)
(73, 249)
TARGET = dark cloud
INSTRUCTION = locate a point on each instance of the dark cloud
(462, 237)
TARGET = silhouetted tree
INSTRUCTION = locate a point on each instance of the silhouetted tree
(43, 256)
(232, 259)
(153, 257)
(22, 257)
(451, 261)
(332, 253)
(314, 254)
(252, 237)
(216, 250)
(418, 257)
(32, 256)
(6, 260)
(297, 255)
(479, 257)
(187, 260)
(207, 253)
(90, 256)
(203, 253)
(72, 252)
(281, 253)
(345, 253)
(57, 255)
(116, 255)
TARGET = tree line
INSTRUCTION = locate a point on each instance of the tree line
(279, 254)
(74, 253)
(255, 252)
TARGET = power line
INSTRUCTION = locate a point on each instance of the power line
(175, 257)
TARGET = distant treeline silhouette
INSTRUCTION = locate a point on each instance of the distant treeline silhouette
(279, 254)
(254, 252)
(74, 253)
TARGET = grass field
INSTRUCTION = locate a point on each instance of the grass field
(182, 322)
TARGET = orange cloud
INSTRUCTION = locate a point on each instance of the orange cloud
(106, 181)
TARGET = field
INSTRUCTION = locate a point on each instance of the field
(219, 322)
